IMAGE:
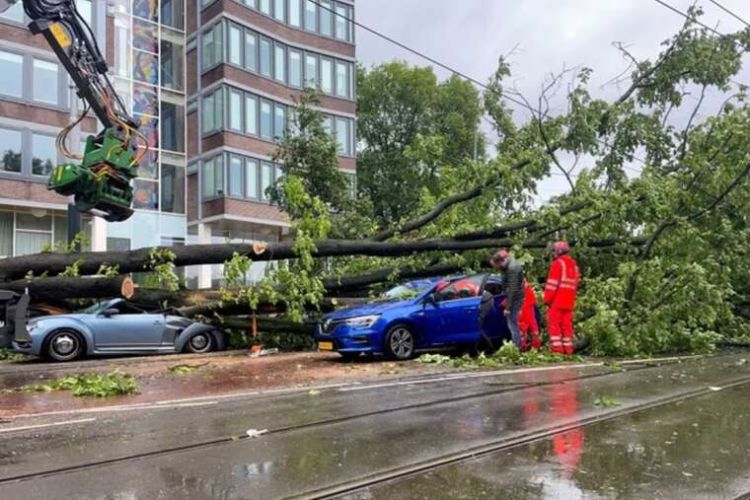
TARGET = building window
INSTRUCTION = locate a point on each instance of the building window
(235, 110)
(15, 13)
(235, 45)
(326, 75)
(265, 120)
(265, 57)
(251, 179)
(311, 70)
(251, 51)
(251, 115)
(235, 176)
(213, 177)
(266, 179)
(343, 29)
(6, 235)
(265, 7)
(172, 189)
(279, 121)
(295, 13)
(213, 112)
(311, 16)
(172, 13)
(212, 47)
(343, 136)
(172, 127)
(44, 154)
(118, 244)
(342, 79)
(33, 234)
(172, 65)
(279, 10)
(326, 18)
(295, 68)
(145, 194)
(352, 181)
(10, 149)
(280, 63)
(11, 67)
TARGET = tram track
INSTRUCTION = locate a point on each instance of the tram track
(504, 444)
(287, 429)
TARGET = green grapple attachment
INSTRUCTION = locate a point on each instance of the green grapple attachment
(101, 183)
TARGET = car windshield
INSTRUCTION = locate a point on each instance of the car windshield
(406, 291)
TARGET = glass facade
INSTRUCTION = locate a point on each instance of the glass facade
(150, 76)
(276, 60)
(251, 114)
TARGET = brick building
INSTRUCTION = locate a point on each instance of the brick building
(246, 62)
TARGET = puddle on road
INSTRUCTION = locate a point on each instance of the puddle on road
(698, 448)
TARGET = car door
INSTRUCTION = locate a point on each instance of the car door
(128, 329)
(493, 325)
(449, 317)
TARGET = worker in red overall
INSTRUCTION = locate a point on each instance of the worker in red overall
(560, 297)
(530, 338)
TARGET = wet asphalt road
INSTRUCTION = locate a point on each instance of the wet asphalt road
(663, 431)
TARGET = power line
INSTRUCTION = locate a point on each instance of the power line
(736, 16)
(689, 17)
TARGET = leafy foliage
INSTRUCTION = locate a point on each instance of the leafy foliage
(162, 270)
(96, 385)
(410, 127)
(7, 355)
(507, 355)
(310, 155)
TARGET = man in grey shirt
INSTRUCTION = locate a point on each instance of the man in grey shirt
(513, 288)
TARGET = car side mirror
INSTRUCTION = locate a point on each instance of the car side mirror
(430, 300)
(110, 312)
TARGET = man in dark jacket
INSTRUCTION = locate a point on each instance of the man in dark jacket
(513, 287)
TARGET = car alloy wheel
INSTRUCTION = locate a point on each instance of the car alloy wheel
(64, 346)
(201, 342)
(401, 342)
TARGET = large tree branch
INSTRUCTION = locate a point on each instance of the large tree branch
(60, 288)
(444, 205)
(90, 263)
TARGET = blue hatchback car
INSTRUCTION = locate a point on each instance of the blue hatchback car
(419, 315)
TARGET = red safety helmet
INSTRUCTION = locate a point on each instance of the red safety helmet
(560, 248)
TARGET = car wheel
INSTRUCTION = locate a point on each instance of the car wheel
(200, 343)
(399, 343)
(64, 345)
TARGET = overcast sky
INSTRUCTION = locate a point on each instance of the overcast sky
(469, 35)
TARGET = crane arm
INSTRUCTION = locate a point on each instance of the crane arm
(101, 183)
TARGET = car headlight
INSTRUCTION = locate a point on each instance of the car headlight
(362, 321)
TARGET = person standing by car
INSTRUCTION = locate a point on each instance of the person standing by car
(513, 281)
(560, 297)
(530, 338)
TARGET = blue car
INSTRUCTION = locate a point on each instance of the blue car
(419, 315)
(116, 327)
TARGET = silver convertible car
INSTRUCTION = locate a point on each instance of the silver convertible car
(117, 327)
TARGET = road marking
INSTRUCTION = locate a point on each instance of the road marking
(463, 376)
(43, 426)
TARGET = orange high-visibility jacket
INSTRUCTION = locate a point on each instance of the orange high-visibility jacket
(562, 283)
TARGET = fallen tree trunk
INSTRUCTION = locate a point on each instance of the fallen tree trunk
(59, 288)
(137, 260)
